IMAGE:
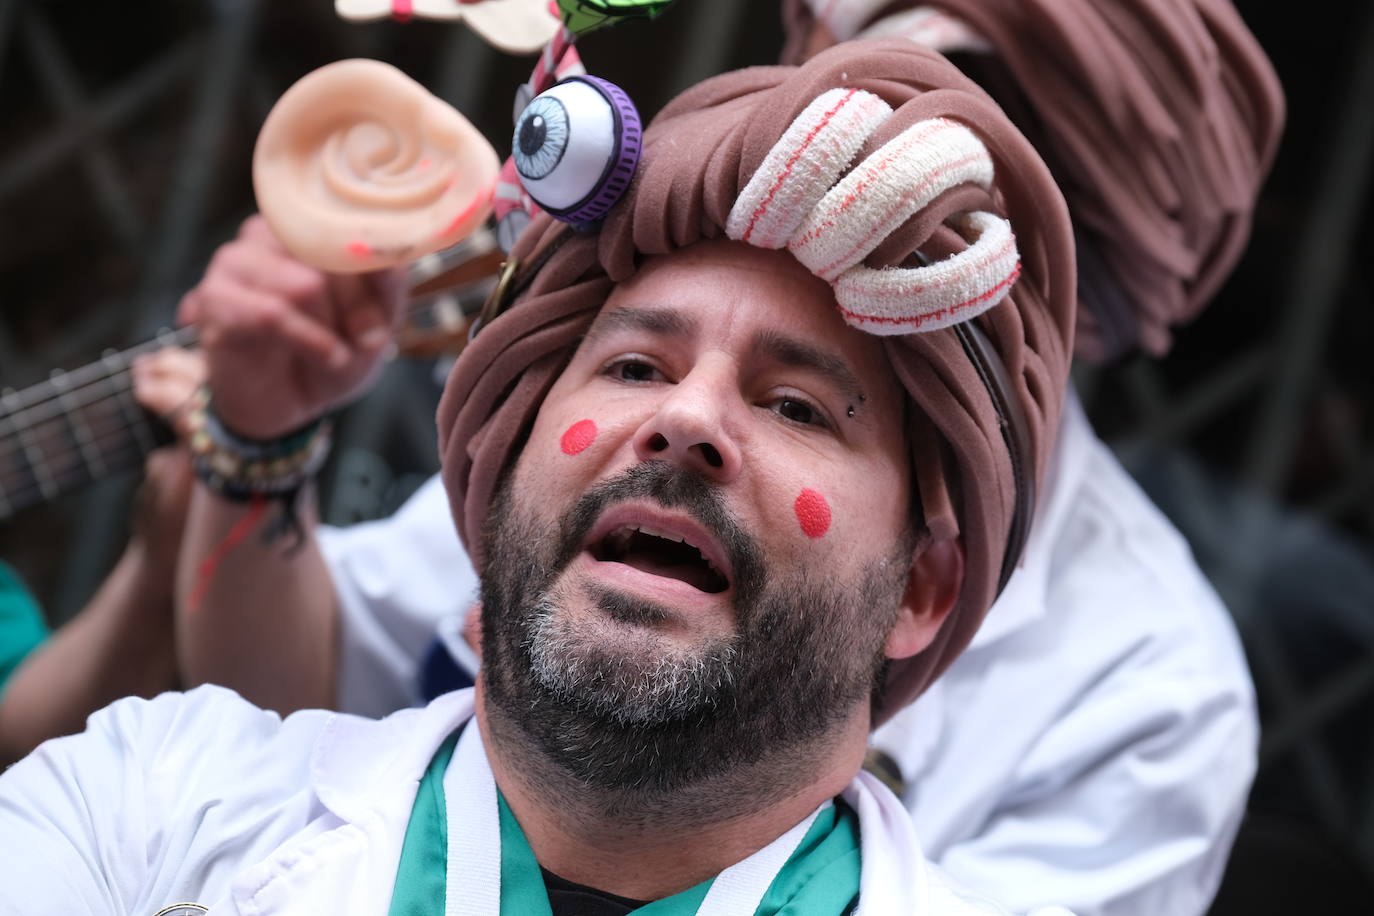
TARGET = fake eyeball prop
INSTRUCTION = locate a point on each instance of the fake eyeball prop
(359, 167)
(576, 147)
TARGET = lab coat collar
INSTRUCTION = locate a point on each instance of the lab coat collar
(359, 763)
(366, 773)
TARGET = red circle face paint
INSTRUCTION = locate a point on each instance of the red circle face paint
(813, 513)
(580, 435)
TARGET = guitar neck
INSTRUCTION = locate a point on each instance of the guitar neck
(79, 426)
(76, 427)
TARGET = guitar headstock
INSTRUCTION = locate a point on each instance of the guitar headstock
(448, 289)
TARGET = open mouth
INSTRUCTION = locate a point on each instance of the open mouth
(660, 553)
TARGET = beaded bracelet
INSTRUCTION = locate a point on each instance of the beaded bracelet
(242, 469)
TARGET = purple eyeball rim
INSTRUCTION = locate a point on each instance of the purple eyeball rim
(620, 168)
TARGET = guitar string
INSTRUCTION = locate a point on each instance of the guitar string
(121, 458)
(60, 385)
(419, 272)
(70, 463)
(30, 491)
(116, 386)
(60, 395)
(51, 393)
(31, 419)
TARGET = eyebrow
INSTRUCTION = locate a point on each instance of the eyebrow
(661, 322)
(773, 345)
(798, 354)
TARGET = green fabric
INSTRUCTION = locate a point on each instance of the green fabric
(820, 877)
(522, 886)
(21, 623)
(420, 878)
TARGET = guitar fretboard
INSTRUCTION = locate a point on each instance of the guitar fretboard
(76, 427)
(79, 426)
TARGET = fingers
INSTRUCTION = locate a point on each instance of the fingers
(284, 341)
(256, 230)
(361, 309)
(253, 290)
(165, 381)
(371, 306)
(360, 319)
(264, 267)
(254, 320)
(256, 233)
(188, 310)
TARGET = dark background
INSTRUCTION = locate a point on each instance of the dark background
(126, 132)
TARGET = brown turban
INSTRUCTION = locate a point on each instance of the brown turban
(698, 155)
(1158, 118)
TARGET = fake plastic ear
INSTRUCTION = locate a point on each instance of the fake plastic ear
(576, 147)
(358, 167)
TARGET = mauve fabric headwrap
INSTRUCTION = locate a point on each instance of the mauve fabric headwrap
(699, 153)
(1158, 118)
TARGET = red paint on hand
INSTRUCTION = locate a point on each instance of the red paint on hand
(360, 249)
(813, 513)
(582, 434)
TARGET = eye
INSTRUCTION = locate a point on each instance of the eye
(633, 370)
(576, 147)
(799, 411)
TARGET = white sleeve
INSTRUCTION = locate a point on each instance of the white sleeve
(1127, 805)
(1101, 756)
(135, 813)
(395, 579)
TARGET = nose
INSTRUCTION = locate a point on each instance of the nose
(689, 427)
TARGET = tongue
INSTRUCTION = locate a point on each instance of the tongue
(695, 574)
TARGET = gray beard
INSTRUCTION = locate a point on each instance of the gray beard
(662, 720)
(672, 683)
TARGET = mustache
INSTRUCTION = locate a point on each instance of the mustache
(673, 487)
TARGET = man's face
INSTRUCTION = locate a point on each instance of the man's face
(703, 546)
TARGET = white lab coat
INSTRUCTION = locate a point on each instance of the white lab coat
(1093, 747)
(203, 798)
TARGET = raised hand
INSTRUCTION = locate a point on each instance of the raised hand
(285, 342)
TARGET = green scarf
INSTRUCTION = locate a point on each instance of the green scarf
(820, 877)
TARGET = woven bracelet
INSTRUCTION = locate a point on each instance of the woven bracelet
(242, 469)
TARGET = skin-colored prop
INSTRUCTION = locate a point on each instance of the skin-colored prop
(583, 16)
(513, 26)
(359, 167)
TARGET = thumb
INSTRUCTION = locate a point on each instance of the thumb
(390, 289)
